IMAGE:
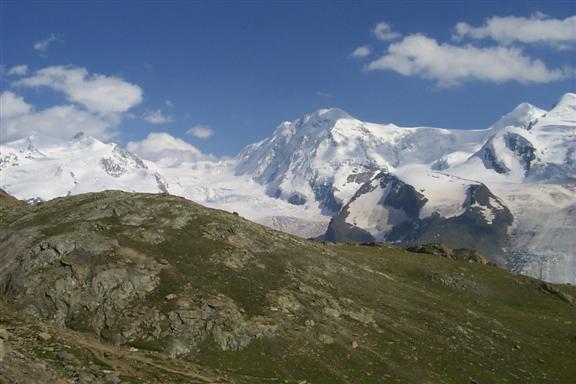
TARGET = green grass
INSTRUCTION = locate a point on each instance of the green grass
(434, 319)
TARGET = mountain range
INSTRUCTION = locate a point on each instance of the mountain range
(508, 191)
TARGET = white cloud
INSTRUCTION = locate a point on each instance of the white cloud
(156, 117)
(12, 105)
(98, 93)
(59, 121)
(18, 70)
(100, 104)
(383, 31)
(450, 65)
(362, 51)
(169, 103)
(166, 150)
(43, 45)
(201, 131)
(536, 29)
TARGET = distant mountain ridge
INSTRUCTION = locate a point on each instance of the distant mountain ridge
(39, 167)
(489, 189)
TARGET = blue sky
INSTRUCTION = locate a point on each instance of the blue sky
(237, 69)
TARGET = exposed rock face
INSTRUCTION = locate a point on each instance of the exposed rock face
(403, 204)
(482, 226)
(220, 318)
(77, 275)
(510, 149)
(482, 223)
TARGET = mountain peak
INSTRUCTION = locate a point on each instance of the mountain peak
(323, 116)
(321, 120)
(38, 140)
(331, 114)
(567, 100)
(521, 116)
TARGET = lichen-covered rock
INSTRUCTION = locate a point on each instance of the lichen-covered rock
(460, 254)
(3, 339)
(431, 249)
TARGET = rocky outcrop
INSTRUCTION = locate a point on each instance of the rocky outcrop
(77, 274)
(460, 254)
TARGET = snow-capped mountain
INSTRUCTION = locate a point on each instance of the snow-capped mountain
(508, 190)
(466, 188)
(42, 168)
(541, 148)
(326, 156)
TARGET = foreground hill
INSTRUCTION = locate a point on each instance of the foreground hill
(120, 287)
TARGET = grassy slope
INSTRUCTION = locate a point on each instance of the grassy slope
(434, 320)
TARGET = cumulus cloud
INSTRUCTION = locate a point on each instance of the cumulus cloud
(98, 104)
(156, 117)
(98, 93)
(12, 105)
(19, 119)
(362, 51)
(18, 70)
(43, 45)
(201, 131)
(166, 150)
(536, 29)
(383, 31)
(450, 65)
